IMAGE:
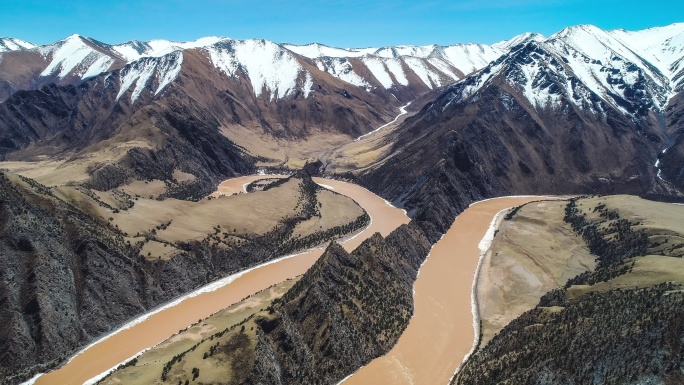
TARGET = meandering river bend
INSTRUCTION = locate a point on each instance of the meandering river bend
(439, 335)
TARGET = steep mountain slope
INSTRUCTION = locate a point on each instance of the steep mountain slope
(347, 309)
(87, 123)
(670, 162)
(11, 44)
(182, 99)
(66, 61)
(577, 112)
(662, 47)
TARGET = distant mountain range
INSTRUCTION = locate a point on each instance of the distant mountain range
(657, 50)
(279, 70)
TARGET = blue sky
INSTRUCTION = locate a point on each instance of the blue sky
(352, 23)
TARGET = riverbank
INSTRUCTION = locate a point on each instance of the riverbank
(440, 333)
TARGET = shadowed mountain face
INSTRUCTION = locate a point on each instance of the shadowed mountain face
(671, 162)
(86, 122)
(68, 276)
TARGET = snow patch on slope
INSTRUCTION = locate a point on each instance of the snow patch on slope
(469, 58)
(308, 85)
(139, 73)
(426, 75)
(465, 58)
(538, 97)
(268, 67)
(599, 45)
(12, 44)
(394, 66)
(467, 87)
(342, 69)
(377, 67)
(405, 50)
(661, 46)
(74, 55)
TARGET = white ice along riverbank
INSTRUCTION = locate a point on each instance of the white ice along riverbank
(484, 246)
(208, 288)
(402, 112)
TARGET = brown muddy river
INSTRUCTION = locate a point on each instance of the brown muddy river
(440, 333)
(121, 346)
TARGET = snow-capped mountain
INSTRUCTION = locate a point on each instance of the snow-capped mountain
(78, 57)
(434, 65)
(134, 50)
(583, 110)
(10, 44)
(594, 69)
(277, 69)
(608, 63)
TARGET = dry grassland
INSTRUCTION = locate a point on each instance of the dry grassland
(214, 369)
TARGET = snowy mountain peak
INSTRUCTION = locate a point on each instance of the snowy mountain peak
(517, 40)
(577, 29)
(583, 66)
(74, 36)
(77, 56)
(645, 67)
(135, 49)
(268, 66)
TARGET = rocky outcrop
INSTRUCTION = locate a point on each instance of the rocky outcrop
(617, 337)
(346, 310)
(66, 278)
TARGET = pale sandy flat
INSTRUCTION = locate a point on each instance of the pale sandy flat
(532, 253)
